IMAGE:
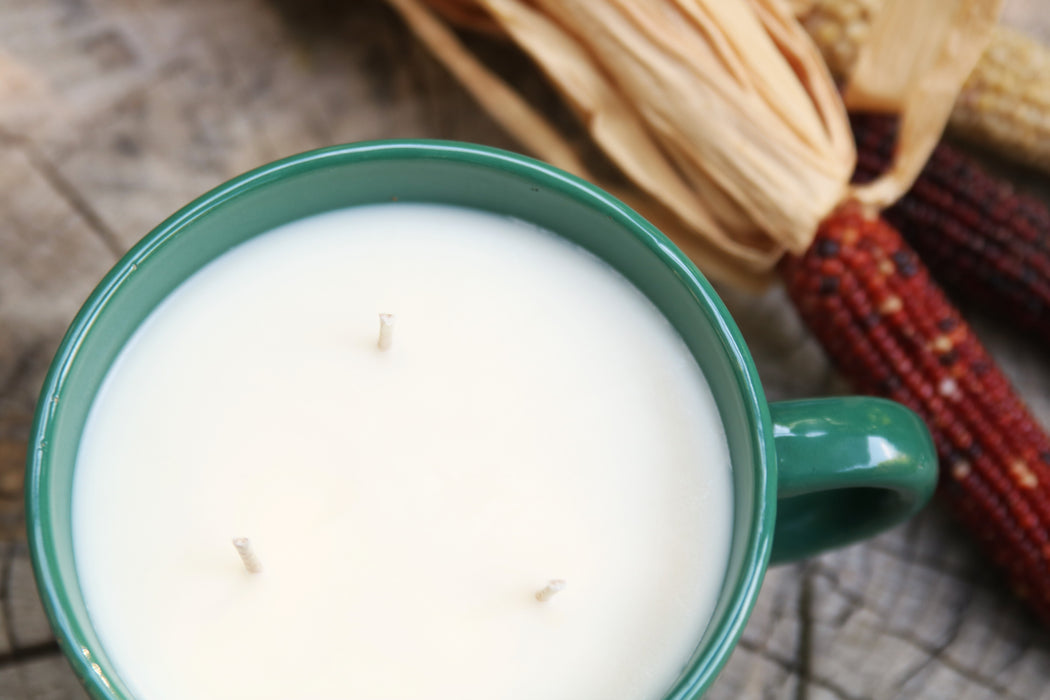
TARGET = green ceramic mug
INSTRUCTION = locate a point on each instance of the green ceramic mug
(817, 473)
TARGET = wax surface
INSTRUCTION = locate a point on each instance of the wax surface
(535, 418)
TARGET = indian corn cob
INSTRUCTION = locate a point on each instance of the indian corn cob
(984, 241)
(891, 331)
(1005, 103)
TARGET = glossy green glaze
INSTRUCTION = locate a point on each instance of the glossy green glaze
(428, 171)
(848, 468)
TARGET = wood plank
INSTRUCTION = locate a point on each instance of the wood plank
(40, 678)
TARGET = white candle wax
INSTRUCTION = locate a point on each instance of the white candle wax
(536, 419)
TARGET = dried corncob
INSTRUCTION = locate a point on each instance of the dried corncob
(890, 330)
(984, 241)
(1004, 104)
(838, 27)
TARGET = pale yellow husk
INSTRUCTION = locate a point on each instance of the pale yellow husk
(1005, 102)
(926, 77)
(722, 115)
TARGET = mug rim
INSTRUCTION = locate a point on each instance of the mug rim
(744, 591)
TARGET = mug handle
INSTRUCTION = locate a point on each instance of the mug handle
(848, 468)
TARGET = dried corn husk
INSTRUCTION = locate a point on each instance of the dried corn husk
(928, 76)
(1005, 102)
(722, 114)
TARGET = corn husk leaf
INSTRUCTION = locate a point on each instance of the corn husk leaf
(1003, 105)
(722, 115)
(914, 63)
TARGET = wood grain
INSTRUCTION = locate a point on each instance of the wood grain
(113, 113)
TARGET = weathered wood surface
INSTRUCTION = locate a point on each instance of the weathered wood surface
(115, 112)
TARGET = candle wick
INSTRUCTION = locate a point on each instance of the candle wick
(244, 548)
(547, 592)
(386, 331)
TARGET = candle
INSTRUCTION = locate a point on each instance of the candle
(536, 420)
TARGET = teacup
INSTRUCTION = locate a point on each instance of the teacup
(806, 475)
